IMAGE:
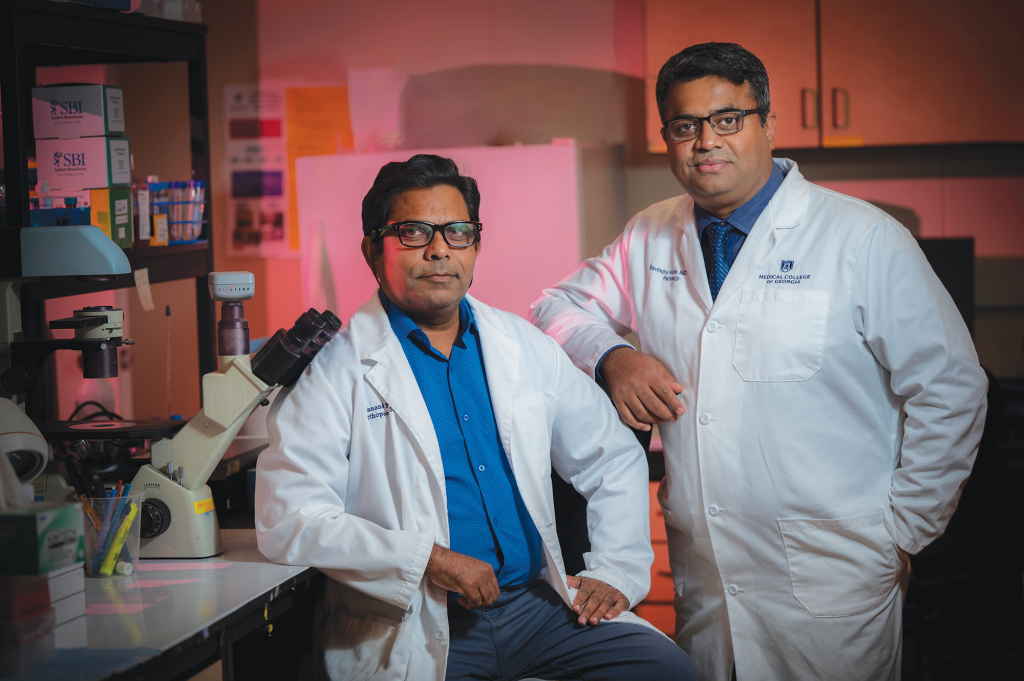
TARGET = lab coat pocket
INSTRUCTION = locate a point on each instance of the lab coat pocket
(840, 567)
(533, 416)
(780, 335)
(360, 635)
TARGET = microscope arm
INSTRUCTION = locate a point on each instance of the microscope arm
(229, 397)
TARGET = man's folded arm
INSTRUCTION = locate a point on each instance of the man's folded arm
(591, 449)
(300, 510)
(589, 311)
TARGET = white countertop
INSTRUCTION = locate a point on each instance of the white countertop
(166, 602)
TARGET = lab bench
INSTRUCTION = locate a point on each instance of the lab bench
(174, 618)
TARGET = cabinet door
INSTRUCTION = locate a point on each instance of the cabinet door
(781, 33)
(922, 71)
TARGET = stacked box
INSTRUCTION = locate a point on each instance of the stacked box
(112, 212)
(71, 111)
(84, 163)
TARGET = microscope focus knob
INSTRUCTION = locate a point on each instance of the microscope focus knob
(16, 380)
(156, 518)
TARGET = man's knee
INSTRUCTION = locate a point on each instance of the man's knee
(665, 660)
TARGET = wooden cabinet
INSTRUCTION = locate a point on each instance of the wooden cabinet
(780, 33)
(890, 73)
(921, 72)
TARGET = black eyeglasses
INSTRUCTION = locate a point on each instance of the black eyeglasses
(723, 123)
(458, 234)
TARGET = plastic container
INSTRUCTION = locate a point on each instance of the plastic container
(112, 550)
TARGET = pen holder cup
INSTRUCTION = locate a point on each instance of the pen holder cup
(112, 535)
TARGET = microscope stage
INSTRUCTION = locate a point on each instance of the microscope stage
(148, 429)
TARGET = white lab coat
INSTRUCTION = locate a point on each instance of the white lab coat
(795, 484)
(353, 484)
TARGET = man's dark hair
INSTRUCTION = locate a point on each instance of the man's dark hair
(725, 60)
(422, 171)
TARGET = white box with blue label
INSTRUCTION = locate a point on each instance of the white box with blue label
(69, 111)
(84, 163)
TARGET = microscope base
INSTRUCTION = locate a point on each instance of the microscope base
(193, 531)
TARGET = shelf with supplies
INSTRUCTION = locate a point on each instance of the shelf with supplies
(165, 263)
(40, 33)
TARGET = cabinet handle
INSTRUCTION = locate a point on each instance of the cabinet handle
(811, 96)
(835, 108)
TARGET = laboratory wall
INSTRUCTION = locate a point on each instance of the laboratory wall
(490, 73)
(477, 73)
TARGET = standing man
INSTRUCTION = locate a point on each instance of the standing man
(412, 465)
(833, 398)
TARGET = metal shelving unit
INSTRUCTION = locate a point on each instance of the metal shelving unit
(36, 33)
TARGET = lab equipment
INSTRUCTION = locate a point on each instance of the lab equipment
(98, 334)
(21, 442)
(76, 250)
(177, 517)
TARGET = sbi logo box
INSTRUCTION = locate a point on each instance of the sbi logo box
(68, 111)
(84, 163)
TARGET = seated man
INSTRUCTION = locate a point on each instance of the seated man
(412, 462)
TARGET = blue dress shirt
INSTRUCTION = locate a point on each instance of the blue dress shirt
(742, 221)
(487, 518)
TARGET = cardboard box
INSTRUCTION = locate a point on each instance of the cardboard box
(112, 212)
(84, 163)
(41, 538)
(70, 111)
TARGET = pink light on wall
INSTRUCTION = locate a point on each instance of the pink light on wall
(989, 209)
(529, 206)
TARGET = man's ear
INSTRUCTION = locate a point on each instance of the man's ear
(368, 254)
(769, 127)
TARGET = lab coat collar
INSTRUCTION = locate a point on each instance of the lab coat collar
(391, 375)
(786, 210)
(501, 365)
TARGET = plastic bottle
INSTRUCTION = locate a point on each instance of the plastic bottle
(142, 227)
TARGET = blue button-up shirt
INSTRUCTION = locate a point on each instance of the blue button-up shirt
(742, 220)
(487, 518)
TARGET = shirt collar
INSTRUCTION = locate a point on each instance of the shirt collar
(404, 327)
(744, 217)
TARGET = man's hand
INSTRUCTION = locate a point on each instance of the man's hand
(641, 388)
(595, 599)
(472, 578)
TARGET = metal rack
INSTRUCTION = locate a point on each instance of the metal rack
(37, 33)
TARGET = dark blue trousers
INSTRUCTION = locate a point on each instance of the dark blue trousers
(531, 633)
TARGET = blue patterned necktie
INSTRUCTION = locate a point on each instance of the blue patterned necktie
(719, 268)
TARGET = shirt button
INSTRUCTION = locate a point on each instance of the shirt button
(465, 417)
(713, 510)
(439, 636)
(712, 327)
(733, 589)
(705, 419)
(481, 467)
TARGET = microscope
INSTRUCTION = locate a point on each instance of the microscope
(178, 517)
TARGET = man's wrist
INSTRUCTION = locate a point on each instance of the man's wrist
(597, 367)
